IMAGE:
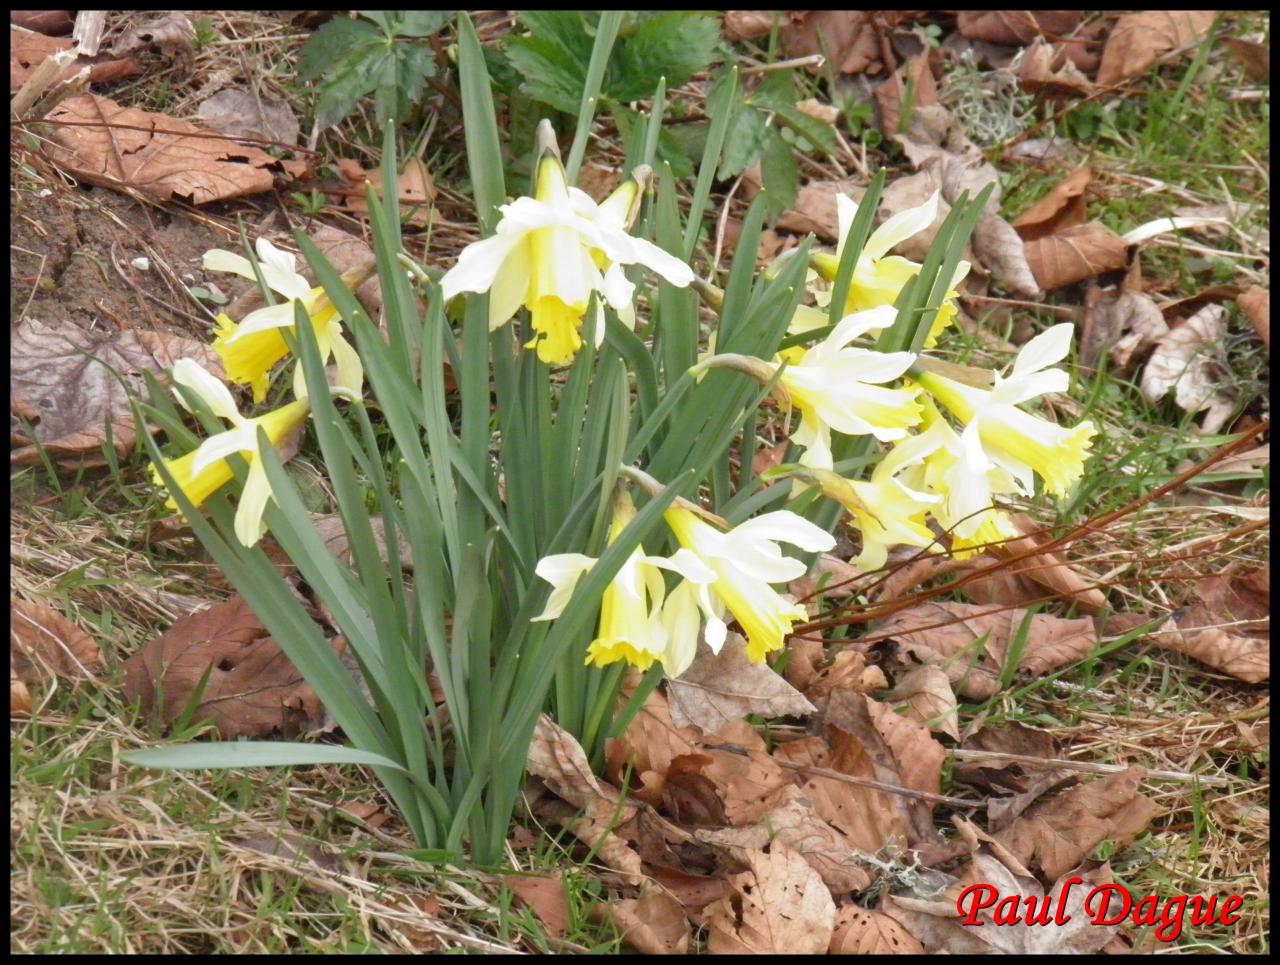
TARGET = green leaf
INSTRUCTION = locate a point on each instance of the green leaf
(253, 754)
(567, 29)
(778, 94)
(551, 74)
(779, 173)
(334, 42)
(742, 143)
(484, 151)
(423, 23)
(673, 45)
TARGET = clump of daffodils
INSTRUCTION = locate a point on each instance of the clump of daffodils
(552, 252)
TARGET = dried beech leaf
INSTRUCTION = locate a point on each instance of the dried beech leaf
(815, 208)
(252, 689)
(650, 743)
(1121, 322)
(651, 924)
(62, 381)
(861, 931)
(41, 637)
(238, 113)
(27, 51)
(1186, 361)
(724, 687)
(796, 824)
(847, 38)
(742, 25)
(1138, 40)
(1038, 74)
(1243, 657)
(848, 670)
(416, 190)
(1059, 832)
(746, 778)
(915, 72)
(929, 699)
(866, 817)
(945, 634)
(334, 534)
(113, 146)
(936, 921)
(171, 36)
(919, 757)
(545, 895)
(779, 905)
(1074, 254)
(1063, 207)
(55, 23)
(19, 696)
(1255, 303)
(1017, 27)
(1025, 580)
(693, 892)
(1254, 57)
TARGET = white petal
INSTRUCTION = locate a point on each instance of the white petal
(787, 527)
(900, 227)
(562, 571)
(716, 633)
(665, 264)
(686, 563)
(1045, 349)
(253, 503)
(510, 287)
(846, 211)
(1029, 385)
(525, 214)
(681, 621)
(219, 259)
(279, 271)
(211, 390)
(280, 315)
(478, 265)
(582, 203)
(617, 288)
(852, 326)
(242, 438)
(350, 368)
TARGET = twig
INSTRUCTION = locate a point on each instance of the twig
(815, 60)
(1089, 767)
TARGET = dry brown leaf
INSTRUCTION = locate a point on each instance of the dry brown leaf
(1254, 57)
(650, 743)
(914, 73)
(865, 816)
(238, 113)
(651, 924)
(848, 670)
(746, 778)
(1006, 738)
(41, 637)
(1026, 580)
(742, 25)
(919, 757)
(1074, 254)
(334, 534)
(1188, 361)
(1122, 322)
(815, 208)
(557, 758)
(724, 687)
(27, 51)
(545, 895)
(113, 146)
(694, 892)
(1255, 303)
(861, 931)
(824, 113)
(936, 921)
(1045, 69)
(1059, 832)
(796, 824)
(171, 37)
(779, 905)
(61, 380)
(1063, 207)
(1229, 629)
(1138, 40)
(847, 38)
(55, 23)
(19, 696)
(1017, 27)
(926, 692)
(415, 186)
(945, 634)
(252, 688)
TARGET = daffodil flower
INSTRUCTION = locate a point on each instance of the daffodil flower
(745, 561)
(202, 472)
(878, 277)
(834, 385)
(998, 433)
(251, 349)
(631, 627)
(547, 254)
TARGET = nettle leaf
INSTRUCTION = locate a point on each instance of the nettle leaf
(351, 79)
(674, 45)
(779, 173)
(551, 74)
(423, 23)
(743, 141)
(338, 42)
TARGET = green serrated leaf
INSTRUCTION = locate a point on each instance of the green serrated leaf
(423, 23)
(673, 45)
(550, 74)
(779, 173)
(742, 143)
(334, 43)
(567, 29)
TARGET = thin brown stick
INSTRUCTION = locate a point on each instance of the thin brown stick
(1058, 763)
